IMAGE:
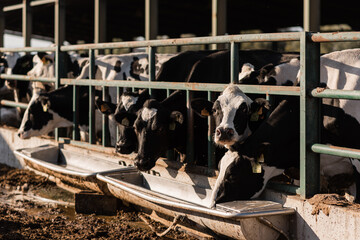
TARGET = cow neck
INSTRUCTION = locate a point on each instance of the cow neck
(61, 101)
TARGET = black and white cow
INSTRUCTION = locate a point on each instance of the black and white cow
(47, 111)
(160, 126)
(176, 69)
(126, 64)
(44, 66)
(124, 113)
(246, 168)
(214, 68)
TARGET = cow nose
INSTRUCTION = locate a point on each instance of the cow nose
(19, 135)
(224, 132)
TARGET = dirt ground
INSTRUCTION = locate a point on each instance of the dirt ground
(26, 212)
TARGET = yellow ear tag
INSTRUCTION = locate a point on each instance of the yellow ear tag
(205, 112)
(125, 122)
(261, 158)
(45, 108)
(256, 167)
(254, 117)
(172, 126)
(104, 108)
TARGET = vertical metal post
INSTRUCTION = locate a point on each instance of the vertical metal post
(309, 116)
(218, 20)
(152, 68)
(59, 72)
(190, 130)
(59, 22)
(234, 62)
(26, 23)
(2, 26)
(119, 92)
(105, 120)
(91, 98)
(75, 108)
(312, 13)
(151, 19)
(211, 149)
(100, 23)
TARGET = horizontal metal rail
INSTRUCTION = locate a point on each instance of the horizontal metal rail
(336, 37)
(337, 151)
(26, 78)
(13, 104)
(332, 93)
(29, 49)
(268, 37)
(32, 4)
(214, 87)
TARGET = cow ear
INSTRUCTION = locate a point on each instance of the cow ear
(259, 109)
(176, 118)
(202, 107)
(105, 107)
(267, 70)
(45, 103)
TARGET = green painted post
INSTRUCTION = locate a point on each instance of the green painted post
(152, 63)
(59, 72)
(234, 62)
(75, 108)
(91, 98)
(190, 130)
(105, 120)
(309, 116)
(211, 148)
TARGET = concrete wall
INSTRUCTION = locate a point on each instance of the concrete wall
(341, 224)
(9, 141)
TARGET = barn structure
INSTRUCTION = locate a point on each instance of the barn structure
(107, 25)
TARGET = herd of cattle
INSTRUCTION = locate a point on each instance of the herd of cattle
(262, 139)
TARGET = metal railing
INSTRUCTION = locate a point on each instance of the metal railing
(309, 98)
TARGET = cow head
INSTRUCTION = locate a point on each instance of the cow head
(7, 63)
(234, 114)
(22, 66)
(284, 74)
(157, 128)
(46, 112)
(125, 115)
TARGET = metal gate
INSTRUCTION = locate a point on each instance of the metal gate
(309, 98)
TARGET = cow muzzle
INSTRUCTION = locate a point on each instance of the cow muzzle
(144, 164)
(224, 134)
(23, 135)
(124, 147)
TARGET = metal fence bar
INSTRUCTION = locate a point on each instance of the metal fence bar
(332, 93)
(91, 97)
(105, 120)
(234, 62)
(26, 78)
(337, 151)
(75, 109)
(309, 116)
(213, 87)
(335, 37)
(29, 49)
(59, 64)
(211, 148)
(190, 130)
(13, 104)
(266, 37)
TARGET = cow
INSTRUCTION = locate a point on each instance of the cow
(123, 64)
(124, 113)
(44, 66)
(213, 68)
(47, 111)
(7, 63)
(247, 166)
(176, 69)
